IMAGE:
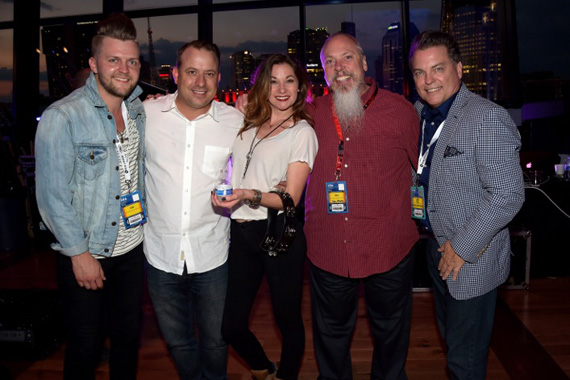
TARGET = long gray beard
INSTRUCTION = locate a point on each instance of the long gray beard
(349, 109)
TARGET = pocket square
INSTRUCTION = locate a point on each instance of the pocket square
(451, 151)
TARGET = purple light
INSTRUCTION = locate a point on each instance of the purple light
(529, 165)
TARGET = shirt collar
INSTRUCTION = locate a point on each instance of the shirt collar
(171, 105)
(430, 114)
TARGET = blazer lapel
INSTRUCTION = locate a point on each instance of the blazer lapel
(448, 131)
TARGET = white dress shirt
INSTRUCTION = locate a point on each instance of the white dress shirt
(184, 162)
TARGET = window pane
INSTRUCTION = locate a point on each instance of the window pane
(6, 64)
(246, 41)
(6, 11)
(371, 23)
(149, 4)
(168, 34)
(230, 1)
(56, 8)
(426, 14)
(66, 50)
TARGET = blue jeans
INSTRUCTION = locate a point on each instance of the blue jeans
(465, 325)
(183, 302)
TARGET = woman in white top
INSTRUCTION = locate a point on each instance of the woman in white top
(276, 144)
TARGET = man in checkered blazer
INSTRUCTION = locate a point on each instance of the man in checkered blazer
(472, 180)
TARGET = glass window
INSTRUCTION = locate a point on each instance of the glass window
(130, 5)
(230, 1)
(373, 24)
(168, 33)
(57, 8)
(245, 36)
(6, 64)
(6, 10)
(425, 14)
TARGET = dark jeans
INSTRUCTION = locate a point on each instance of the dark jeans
(284, 273)
(182, 302)
(119, 302)
(465, 325)
(334, 302)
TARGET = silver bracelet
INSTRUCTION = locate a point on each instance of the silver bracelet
(256, 199)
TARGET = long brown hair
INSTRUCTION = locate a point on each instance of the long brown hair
(258, 110)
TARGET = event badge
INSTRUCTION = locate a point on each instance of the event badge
(132, 209)
(336, 197)
(418, 202)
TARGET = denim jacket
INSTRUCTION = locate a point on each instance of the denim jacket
(77, 170)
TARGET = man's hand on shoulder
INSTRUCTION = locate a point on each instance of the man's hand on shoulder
(241, 103)
(450, 261)
(88, 271)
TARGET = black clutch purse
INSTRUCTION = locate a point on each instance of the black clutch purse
(273, 242)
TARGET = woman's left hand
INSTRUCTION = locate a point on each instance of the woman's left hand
(229, 201)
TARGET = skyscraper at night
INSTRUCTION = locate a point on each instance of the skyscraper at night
(486, 33)
(243, 66)
(392, 64)
(315, 39)
(67, 49)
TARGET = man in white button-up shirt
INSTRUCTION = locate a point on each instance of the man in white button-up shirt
(188, 141)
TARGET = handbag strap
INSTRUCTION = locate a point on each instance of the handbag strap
(273, 243)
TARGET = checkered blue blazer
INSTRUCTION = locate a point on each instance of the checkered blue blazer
(475, 188)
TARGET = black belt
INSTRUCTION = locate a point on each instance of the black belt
(271, 243)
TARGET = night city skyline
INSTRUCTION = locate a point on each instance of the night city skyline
(540, 44)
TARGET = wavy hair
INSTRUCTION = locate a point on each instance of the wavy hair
(258, 110)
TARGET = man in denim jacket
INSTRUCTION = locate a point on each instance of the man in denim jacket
(89, 157)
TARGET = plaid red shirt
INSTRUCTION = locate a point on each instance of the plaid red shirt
(377, 232)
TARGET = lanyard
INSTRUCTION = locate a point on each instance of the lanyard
(252, 146)
(340, 151)
(123, 158)
(424, 155)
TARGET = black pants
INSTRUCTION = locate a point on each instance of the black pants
(247, 264)
(334, 302)
(84, 310)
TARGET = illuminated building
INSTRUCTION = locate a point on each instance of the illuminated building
(486, 33)
(392, 68)
(315, 38)
(67, 49)
(243, 66)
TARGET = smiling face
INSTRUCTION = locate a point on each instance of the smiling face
(197, 79)
(116, 67)
(344, 64)
(436, 76)
(284, 87)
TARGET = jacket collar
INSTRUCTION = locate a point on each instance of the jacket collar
(95, 97)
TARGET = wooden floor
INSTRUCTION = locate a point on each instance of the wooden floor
(531, 337)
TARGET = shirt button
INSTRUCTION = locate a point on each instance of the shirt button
(116, 167)
(432, 123)
(109, 117)
(344, 242)
(187, 167)
(346, 165)
(117, 197)
(114, 224)
(106, 250)
(346, 219)
(348, 139)
(188, 146)
(185, 213)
